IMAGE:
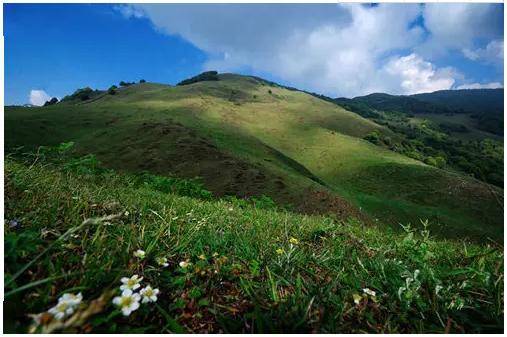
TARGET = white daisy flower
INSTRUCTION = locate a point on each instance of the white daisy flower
(184, 264)
(130, 283)
(368, 291)
(149, 294)
(140, 254)
(127, 302)
(162, 261)
(62, 310)
(71, 299)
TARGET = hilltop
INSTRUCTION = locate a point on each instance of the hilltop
(248, 137)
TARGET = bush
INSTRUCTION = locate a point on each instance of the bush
(112, 90)
(142, 81)
(205, 76)
(52, 101)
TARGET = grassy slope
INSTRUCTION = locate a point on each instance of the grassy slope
(273, 134)
(247, 286)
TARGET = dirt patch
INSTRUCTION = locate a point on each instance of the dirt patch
(323, 202)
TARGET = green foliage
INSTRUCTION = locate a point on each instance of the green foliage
(112, 90)
(185, 187)
(126, 84)
(205, 76)
(83, 94)
(247, 269)
(52, 101)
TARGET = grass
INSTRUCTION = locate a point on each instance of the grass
(245, 138)
(252, 268)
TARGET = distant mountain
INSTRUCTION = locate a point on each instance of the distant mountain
(484, 105)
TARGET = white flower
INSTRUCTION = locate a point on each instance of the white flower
(162, 261)
(140, 254)
(149, 294)
(62, 310)
(184, 264)
(66, 306)
(126, 213)
(71, 299)
(127, 302)
(369, 292)
(130, 283)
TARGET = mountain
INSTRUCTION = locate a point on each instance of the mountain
(485, 106)
(248, 137)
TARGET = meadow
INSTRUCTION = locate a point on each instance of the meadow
(224, 264)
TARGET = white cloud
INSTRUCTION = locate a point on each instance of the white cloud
(491, 85)
(492, 53)
(457, 26)
(417, 75)
(38, 97)
(338, 50)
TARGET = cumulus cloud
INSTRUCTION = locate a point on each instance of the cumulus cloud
(492, 85)
(338, 50)
(38, 97)
(417, 75)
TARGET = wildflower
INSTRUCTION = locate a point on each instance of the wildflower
(231, 209)
(140, 254)
(126, 213)
(184, 264)
(294, 241)
(72, 299)
(127, 302)
(280, 251)
(357, 298)
(130, 283)
(149, 294)
(162, 261)
(202, 257)
(62, 310)
(215, 254)
(369, 292)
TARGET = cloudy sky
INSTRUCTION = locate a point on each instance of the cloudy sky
(333, 49)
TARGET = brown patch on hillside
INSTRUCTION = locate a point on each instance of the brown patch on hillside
(323, 202)
(169, 148)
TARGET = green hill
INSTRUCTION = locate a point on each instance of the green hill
(245, 137)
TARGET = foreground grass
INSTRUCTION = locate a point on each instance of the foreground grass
(249, 269)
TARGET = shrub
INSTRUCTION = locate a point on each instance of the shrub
(112, 90)
(142, 81)
(205, 76)
(52, 101)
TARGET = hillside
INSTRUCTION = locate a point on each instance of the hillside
(459, 130)
(246, 137)
(224, 265)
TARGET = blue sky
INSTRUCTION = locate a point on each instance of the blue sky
(338, 50)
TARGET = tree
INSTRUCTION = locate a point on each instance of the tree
(112, 90)
(142, 81)
(52, 101)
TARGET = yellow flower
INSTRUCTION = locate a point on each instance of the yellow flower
(294, 241)
(280, 251)
(202, 257)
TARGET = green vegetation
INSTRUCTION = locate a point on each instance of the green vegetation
(205, 76)
(224, 265)
(439, 131)
(303, 152)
